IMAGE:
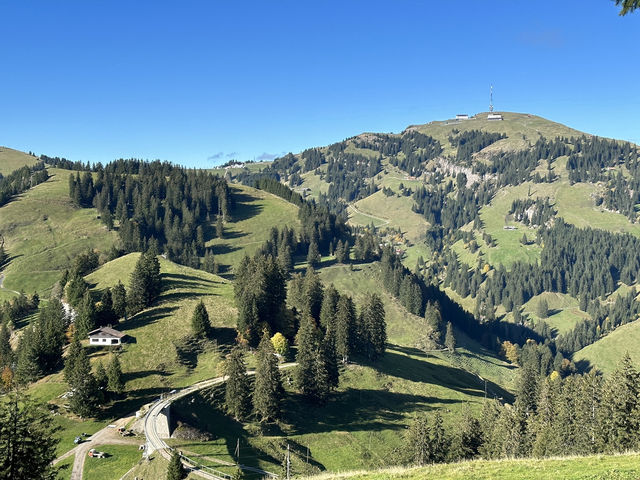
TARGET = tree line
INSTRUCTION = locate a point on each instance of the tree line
(551, 416)
(170, 213)
(20, 181)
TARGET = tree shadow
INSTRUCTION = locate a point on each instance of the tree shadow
(355, 409)
(403, 366)
(224, 248)
(244, 206)
(170, 277)
(205, 411)
(146, 318)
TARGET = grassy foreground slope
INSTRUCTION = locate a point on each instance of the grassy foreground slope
(44, 231)
(11, 160)
(600, 467)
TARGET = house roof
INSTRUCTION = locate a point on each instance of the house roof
(106, 332)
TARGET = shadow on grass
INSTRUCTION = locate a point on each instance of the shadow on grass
(402, 366)
(171, 278)
(146, 318)
(355, 409)
(131, 402)
(244, 207)
(204, 412)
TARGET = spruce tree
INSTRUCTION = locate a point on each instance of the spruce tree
(83, 385)
(6, 353)
(115, 382)
(450, 339)
(268, 391)
(620, 414)
(313, 255)
(345, 328)
(330, 358)
(308, 344)
(237, 387)
(102, 381)
(28, 440)
(200, 321)
(176, 470)
(313, 293)
(119, 300)
(86, 317)
(145, 284)
(329, 307)
(542, 309)
(374, 327)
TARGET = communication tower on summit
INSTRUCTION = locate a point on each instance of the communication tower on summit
(491, 99)
(492, 116)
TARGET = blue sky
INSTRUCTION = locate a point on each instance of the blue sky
(198, 83)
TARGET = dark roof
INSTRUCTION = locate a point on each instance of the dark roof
(106, 332)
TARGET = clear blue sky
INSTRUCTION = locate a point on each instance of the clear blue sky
(200, 82)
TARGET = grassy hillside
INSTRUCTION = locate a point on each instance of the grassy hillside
(254, 214)
(11, 160)
(363, 422)
(606, 353)
(157, 355)
(44, 232)
(618, 467)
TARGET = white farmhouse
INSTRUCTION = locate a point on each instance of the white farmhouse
(105, 336)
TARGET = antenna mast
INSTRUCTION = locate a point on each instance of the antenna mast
(491, 99)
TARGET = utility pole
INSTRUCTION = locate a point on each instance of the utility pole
(288, 462)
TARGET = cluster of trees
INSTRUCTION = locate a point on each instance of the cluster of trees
(448, 210)
(551, 416)
(88, 389)
(471, 141)
(591, 156)
(532, 211)
(21, 180)
(11, 311)
(515, 167)
(39, 351)
(585, 263)
(416, 148)
(157, 205)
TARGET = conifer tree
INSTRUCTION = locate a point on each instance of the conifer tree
(345, 328)
(313, 293)
(200, 321)
(268, 391)
(6, 353)
(308, 345)
(83, 385)
(374, 327)
(176, 470)
(329, 307)
(28, 440)
(450, 339)
(620, 412)
(237, 388)
(434, 320)
(145, 285)
(115, 382)
(330, 358)
(102, 381)
(313, 255)
(86, 317)
(119, 300)
(542, 309)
